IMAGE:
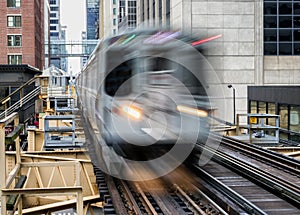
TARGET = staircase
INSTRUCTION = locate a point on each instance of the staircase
(23, 101)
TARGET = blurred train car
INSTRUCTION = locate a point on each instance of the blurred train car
(144, 88)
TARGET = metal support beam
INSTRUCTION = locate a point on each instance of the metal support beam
(47, 191)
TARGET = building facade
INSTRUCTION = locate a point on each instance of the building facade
(259, 44)
(117, 16)
(153, 13)
(22, 38)
(281, 100)
(57, 33)
(92, 19)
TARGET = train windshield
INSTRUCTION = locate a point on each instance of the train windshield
(120, 81)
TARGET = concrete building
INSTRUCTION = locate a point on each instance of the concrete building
(259, 44)
(57, 33)
(127, 15)
(153, 13)
(117, 16)
(84, 59)
(22, 38)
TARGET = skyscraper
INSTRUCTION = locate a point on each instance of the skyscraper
(57, 33)
(92, 18)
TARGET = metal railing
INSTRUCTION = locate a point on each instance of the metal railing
(17, 105)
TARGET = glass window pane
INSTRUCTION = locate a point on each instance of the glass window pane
(270, 8)
(270, 48)
(285, 48)
(18, 40)
(296, 35)
(297, 8)
(283, 112)
(285, 8)
(18, 21)
(253, 106)
(285, 22)
(295, 118)
(18, 3)
(270, 35)
(270, 22)
(296, 21)
(271, 110)
(10, 21)
(297, 48)
(9, 40)
(285, 35)
(262, 107)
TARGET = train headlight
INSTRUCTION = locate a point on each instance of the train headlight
(132, 111)
(192, 111)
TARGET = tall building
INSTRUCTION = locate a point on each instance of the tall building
(153, 13)
(117, 16)
(127, 15)
(92, 18)
(84, 59)
(22, 39)
(57, 33)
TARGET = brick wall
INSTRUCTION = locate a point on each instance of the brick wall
(32, 29)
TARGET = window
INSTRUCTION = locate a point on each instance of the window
(271, 110)
(14, 59)
(53, 15)
(115, 11)
(13, 3)
(118, 82)
(114, 22)
(14, 21)
(54, 34)
(54, 9)
(114, 1)
(283, 112)
(262, 107)
(14, 40)
(295, 118)
(52, 28)
(54, 21)
(281, 27)
(52, 2)
(253, 106)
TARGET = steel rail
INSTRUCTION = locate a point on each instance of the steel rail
(136, 208)
(285, 190)
(283, 161)
(243, 203)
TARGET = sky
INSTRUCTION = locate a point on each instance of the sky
(73, 16)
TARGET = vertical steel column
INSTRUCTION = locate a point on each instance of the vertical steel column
(3, 167)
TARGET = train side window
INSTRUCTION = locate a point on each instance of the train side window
(117, 82)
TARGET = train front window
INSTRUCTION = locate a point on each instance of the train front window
(118, 82)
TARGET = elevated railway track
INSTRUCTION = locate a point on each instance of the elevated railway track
(237, 180)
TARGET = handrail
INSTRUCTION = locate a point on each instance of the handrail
(18, 89)
(21, 102)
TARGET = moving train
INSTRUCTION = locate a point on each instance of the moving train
(144, 89)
